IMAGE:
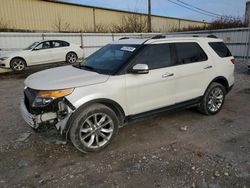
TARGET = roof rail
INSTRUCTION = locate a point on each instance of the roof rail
(208, 36)
(158, 37)
(212, 36)
(123, 38)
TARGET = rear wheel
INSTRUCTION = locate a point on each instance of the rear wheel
(71, 57)
(18, 64)
(213, 99)
(93, 128)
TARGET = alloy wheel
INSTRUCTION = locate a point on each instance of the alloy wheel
(96, 130)
(71, 58)
(18, 65)
(215, 99)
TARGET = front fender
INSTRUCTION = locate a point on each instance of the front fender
(82, 95)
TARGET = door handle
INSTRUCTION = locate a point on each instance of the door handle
(167, 75)
(208, 67)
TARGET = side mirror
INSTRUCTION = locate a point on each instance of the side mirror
(140, 69)
(35, 49)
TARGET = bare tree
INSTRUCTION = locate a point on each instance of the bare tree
(133, 23)
(227, 22)
(102, 28)
(99, 28)
(60, 25)
(220, 23)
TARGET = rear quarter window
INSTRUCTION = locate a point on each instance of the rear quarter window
(220, 48)
(64, 43)
(189, 52)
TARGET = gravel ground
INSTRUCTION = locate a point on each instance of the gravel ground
(181, 149)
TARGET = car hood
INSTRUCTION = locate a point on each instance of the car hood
(63, 77)
(12, 53)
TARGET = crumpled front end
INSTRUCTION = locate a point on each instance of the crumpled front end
(55, 113)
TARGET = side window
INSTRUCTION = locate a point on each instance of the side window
(189, 52)
(56, 44)
(155, 56)
(43, 45)
(64, 44)
(220, 48)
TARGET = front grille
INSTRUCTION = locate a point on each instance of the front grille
(26, 102)
(29, 118)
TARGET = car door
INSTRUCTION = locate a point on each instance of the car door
(60, 49)
(145, 92)
(194, 71)
(42, 53)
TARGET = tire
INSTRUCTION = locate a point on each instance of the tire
(93, 128)
(18, 64)
(213, 99)
(71, 57)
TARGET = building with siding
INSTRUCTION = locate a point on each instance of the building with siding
(52, 15)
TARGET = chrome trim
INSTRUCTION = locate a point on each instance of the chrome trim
(167, 75)
(208, 67)
(140, 69)
(30, 119)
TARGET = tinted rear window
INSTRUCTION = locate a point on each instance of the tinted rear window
(220, 48)
(189, 52)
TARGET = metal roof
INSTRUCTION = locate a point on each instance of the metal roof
(110, 9)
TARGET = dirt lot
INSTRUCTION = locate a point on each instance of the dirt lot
(213, 152)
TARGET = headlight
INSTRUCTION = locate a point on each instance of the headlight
(55, 94)
(43, 98)
(3, 58)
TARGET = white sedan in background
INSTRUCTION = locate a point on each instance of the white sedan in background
(42, 52)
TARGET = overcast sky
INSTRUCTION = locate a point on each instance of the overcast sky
(234, 8)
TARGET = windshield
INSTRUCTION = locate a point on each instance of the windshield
(32, 46)
(109, 59)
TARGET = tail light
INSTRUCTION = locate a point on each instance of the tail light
(233, 61)
(81, 46)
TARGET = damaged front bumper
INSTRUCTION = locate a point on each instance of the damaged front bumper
(47, 118)
(35, 120)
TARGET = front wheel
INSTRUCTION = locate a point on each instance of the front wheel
(93, 128)
(71, 57)
(17, 64)
(213, 99)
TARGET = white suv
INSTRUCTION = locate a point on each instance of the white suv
(125, 80)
